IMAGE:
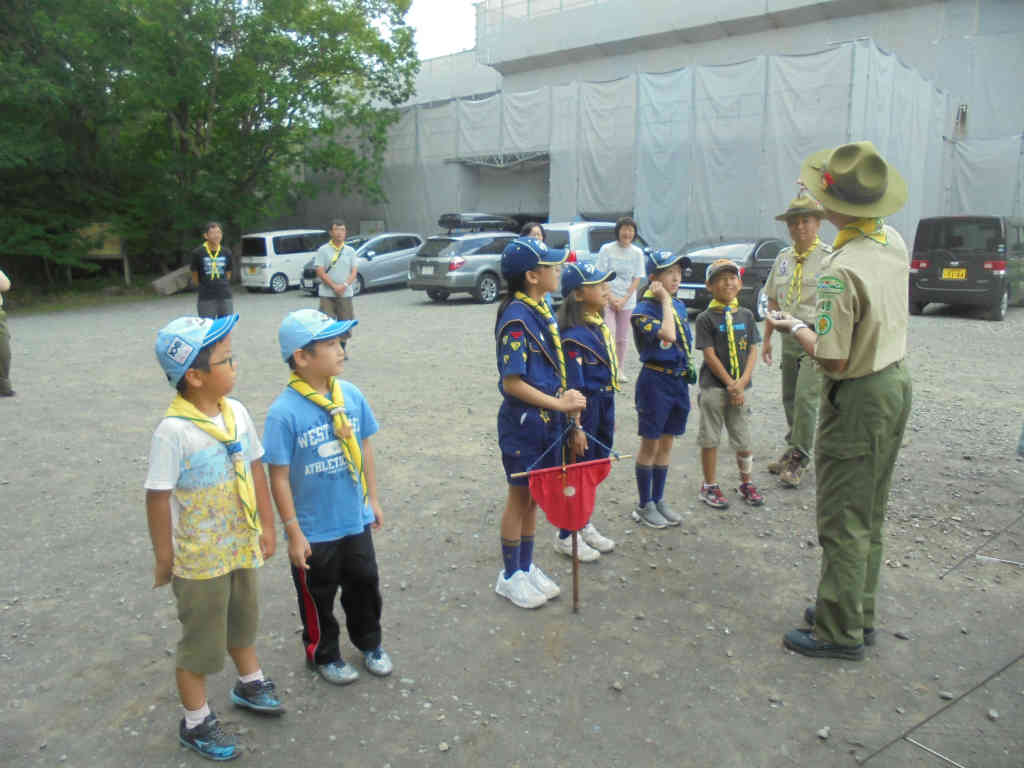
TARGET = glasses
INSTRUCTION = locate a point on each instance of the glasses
(229, 360)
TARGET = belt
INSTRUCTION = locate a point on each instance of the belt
(608, 388)
(667, 371)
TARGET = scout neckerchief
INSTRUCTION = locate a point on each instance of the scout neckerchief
(793, 294)
(180, 408)
(873, 229)
(543, 310)
(680, 333)
(595, 319)
(335, 406)
(214, 266)
(727, 310)
(337, 252)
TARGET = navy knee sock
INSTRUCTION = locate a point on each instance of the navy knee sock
(510, 554)
(526, 553)
(658, 477)
(643, 483)
(564, 533)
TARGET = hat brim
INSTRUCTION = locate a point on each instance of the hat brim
(794, 212)
(552, 258)
(680, 259)
(894, 198)
(335, 329)
(726, 268)
(221, 327)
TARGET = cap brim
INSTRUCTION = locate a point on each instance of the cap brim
(221, 327)
(336, 328)
(552, 257)
(680, 259)
(802, 212)
(895, 196)
(603, 279)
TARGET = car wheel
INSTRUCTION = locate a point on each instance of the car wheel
(278, 283)
(998, 310)
(436, 295)
(359, 286)
(916, 307)
(487, 288)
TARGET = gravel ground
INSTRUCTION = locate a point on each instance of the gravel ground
(675, 657)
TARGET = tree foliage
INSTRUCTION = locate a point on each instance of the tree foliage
(157, 115)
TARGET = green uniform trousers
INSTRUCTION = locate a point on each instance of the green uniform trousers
(859, 436)
(5, 355)
(801, 390)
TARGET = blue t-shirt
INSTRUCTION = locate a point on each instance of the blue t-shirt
(328, 501)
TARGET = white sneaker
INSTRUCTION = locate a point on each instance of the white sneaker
(542, 583)
(519, 590)
(584, 552)
(594, 539)
(623, 379)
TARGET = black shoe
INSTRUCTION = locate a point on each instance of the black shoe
(869, 632)
(259, 696)
(209, 739)
(804, 642)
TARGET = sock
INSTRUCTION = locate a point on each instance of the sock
(195, 717)
(658, 477)
(510, 554)
(564, 533)
(526, 553)
(257, 675)
(643, 483)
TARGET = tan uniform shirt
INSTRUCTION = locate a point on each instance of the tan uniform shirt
(862, 305)
(777, 287)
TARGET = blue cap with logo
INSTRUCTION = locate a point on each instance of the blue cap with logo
(579, 273)
(658, 260)
(525, 253)
(306, 325)
(180, 341)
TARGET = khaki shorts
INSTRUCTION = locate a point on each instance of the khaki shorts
(338, 307)
(715, 411)
(215, 614)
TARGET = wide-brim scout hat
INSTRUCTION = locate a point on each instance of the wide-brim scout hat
(655, 261)
(802, 205)
(718, 266)
(583, 273)
(855, 180)
(304, 326)
(180, 341)
(525, 253)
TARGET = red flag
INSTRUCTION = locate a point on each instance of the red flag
(567, 494)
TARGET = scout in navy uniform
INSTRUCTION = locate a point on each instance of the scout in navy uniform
(211, 273)
(860, 339)
(531, 366)
(665, 346)
(592, 367)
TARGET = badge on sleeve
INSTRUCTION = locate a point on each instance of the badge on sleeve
(824, 323)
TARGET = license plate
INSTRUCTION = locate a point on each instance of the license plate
(253, 270)
(954, 274)
(427, 269)
(687, 293)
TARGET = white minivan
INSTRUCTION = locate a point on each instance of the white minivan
(273, 260)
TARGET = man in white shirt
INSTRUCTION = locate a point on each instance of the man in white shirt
(336, 268)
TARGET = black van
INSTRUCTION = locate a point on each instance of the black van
(968, 261)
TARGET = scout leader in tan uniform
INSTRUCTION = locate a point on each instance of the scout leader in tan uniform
(860, 339)
(792, 287)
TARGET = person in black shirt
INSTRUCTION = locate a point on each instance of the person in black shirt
(211, 273)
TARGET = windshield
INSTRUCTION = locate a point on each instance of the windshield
(958, 234)
(440, 247)
(733, 251)
(356, 242)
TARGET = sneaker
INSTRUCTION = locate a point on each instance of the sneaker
(595, 540)
(869, 632)
(623, 378)
(338, 672)
(672, 518)
(258, 696)
(649, 515)
(584, 551)
(794, 470)
(377, 662)
(750, 495)
(712, 496)
(209, 739)
(542, 582)
(776, 467)
(519, 591)
(804, 642)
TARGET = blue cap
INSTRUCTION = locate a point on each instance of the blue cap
(180, 341)
(305, 325)
(659, 260)
(525, 253)
(579, 273)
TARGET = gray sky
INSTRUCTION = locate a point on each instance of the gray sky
(442, 26)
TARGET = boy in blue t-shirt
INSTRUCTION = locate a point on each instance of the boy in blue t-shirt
(323, 479)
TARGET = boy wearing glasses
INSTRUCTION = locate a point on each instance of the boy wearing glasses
(211, 524)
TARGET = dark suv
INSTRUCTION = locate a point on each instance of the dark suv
(754, 256)
(968, 261)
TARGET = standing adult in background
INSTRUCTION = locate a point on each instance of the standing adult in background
(5, 341)
(627, 262)
(337, 270)
(211, 273)
(860, 340)
(534, 230)
(792, 287)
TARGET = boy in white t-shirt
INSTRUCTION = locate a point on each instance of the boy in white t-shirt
(212, 525)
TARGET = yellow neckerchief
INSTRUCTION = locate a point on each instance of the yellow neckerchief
(793, 294)
(337, 252)
(680, 332)
(543, 310)
(596, 320)
(873, 229)
(727, 310)
(214, 267)
(335, 406)
(180, 408)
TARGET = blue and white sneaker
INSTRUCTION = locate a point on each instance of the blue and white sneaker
(378, 662)
(258, 696)
(209, 739)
